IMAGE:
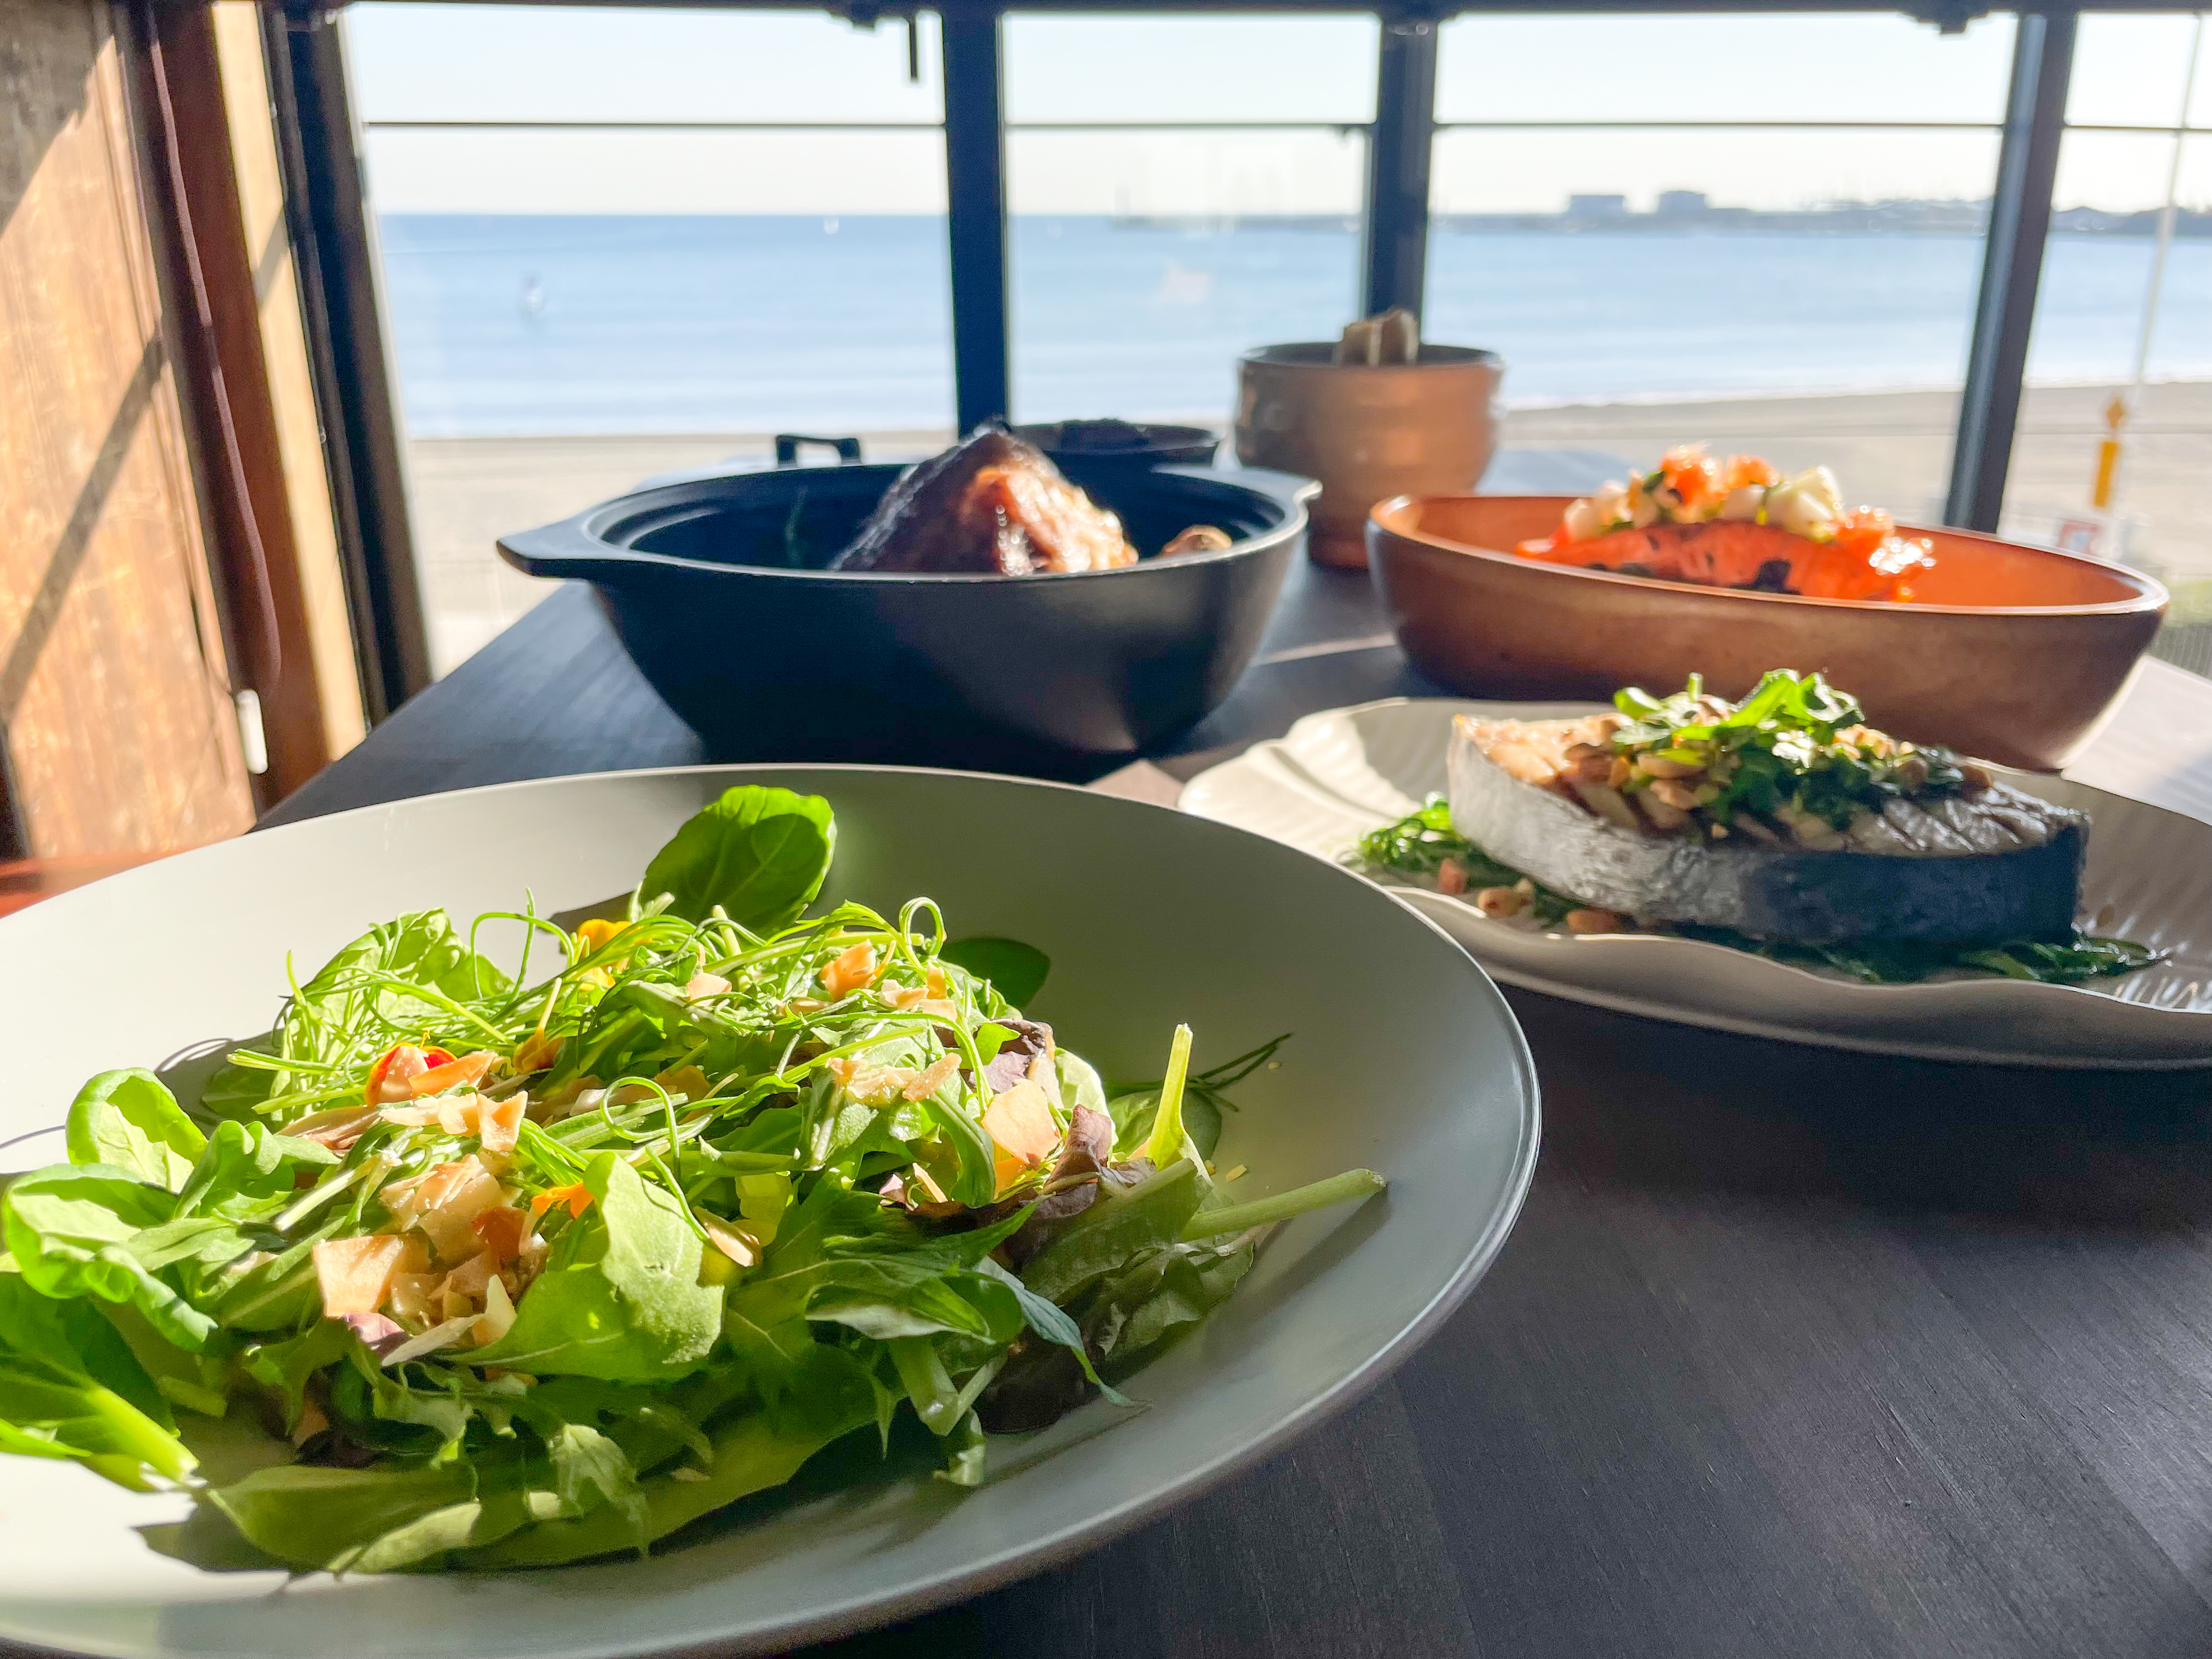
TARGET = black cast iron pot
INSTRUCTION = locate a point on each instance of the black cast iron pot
(715, 586)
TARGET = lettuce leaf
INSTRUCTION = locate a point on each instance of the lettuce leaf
(130, 1121)
(830, 1396)
(101, 1233)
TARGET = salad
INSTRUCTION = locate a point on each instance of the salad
(1738, 523)
(516, 1270)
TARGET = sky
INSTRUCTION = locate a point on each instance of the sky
(440, 63)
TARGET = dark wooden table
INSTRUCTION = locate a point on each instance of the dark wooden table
(1793, 1351)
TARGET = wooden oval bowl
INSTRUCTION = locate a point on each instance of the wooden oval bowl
(2009, 653)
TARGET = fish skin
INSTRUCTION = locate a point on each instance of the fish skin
(1788, 893)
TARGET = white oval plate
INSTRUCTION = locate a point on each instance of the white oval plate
(1339, 774)
(1150, 917)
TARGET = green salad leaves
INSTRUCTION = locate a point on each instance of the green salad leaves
(520, 1267)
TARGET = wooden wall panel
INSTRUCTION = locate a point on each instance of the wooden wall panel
(115, 715)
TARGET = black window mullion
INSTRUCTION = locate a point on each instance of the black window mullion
(976, 216)
(2012, 268)
(1394, 235)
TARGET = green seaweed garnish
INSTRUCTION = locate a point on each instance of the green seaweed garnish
(1418, 844)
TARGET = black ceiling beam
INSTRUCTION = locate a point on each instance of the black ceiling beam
(1948, 17)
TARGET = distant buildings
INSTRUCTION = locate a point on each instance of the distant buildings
(1675, 210)
(1598, 208)
(1678, 210)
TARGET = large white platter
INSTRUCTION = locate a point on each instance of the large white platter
(1341, 773)
(1406, 1060)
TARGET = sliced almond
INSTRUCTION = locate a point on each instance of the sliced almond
(354, 1273)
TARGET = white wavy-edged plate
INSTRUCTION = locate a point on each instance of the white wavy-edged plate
(1343, 772)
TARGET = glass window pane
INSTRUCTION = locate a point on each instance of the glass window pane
(1918, 175)
(1794, 291)
(2090, 320)
(2128, 71)
(1144, 264)
(573, 310)
(1789, 325)
(1117, 70)
(437, 62)
(1687, 67)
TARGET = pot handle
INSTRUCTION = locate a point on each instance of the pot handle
(562, 551)
(787, 443)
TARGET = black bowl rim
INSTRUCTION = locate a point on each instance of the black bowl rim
(575, 547)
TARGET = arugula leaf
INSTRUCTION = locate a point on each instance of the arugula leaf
(260, 1292)
(1051, 1322)
(964, 1453)
(889, 1296)
(246, 1170)
(1147, 1216)
(1121, 1320)
(1134, 1114)
(621, 1298)
(759, 852)
(284, 1367)
(129, 1120)
(765, 1315)
(1907, 962)
(1418, 844)
(70, 1337)
(590, 1470)
(1017, 971)
(47, 1411)
(196, 1382)
(1158, 1295)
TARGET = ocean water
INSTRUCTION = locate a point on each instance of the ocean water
(514, 324)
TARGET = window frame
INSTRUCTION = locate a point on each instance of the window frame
(320, 137)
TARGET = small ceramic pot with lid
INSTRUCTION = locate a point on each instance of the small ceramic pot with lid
(1367, 431)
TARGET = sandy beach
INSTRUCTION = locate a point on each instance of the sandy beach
(1892, 448)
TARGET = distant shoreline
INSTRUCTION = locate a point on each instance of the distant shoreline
(1965, 220)
(1217, 419)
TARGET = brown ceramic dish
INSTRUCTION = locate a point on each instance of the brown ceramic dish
(2009, 653)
